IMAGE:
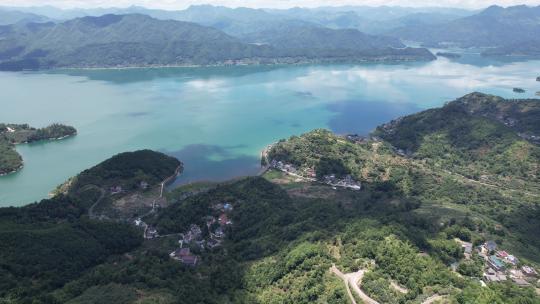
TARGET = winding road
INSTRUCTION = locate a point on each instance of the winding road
(353, 279)
(91, 209)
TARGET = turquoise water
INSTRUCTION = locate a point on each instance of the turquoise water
(217, 120)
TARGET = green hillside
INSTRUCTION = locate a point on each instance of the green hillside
(139, 40)
(478, 136)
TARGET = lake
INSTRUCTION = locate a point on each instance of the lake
(217, 120)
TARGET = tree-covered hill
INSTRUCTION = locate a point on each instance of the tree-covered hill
(479, 136)
(139, 40)
(514, 27)
(8, 16)
(128, 170)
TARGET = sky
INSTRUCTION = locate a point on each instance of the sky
(181, 4)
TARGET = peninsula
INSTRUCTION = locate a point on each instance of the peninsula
(13, 134)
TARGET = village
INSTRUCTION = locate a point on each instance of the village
(309, 175)
(499, 265)
(196, 239)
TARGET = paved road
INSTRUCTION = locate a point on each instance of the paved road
(354, 280)
(91, 209)
(342, 276)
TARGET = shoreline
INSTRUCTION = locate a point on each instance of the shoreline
(381, 60)
(13, 171)
(19, 168)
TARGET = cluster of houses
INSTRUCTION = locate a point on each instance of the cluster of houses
(185, 256)
(193, 238)
(355, 138)
(292, 170)
(346, 182)
(500, 265)
(530, 137)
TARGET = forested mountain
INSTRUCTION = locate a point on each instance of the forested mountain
(241, 21)
(298, 37)
(503, 28)
(139, 40)
(112, 40)
(373, 20)
(13, 16)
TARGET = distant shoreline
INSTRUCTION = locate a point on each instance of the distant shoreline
(253, 64)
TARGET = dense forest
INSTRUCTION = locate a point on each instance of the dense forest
(12, 134)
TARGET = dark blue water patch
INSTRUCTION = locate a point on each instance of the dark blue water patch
(200, 165)
(304, 94)
(362, 117)
(137, 114)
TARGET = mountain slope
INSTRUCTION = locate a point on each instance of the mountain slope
(138, 40)
(493, 27)
(479, 136)
(297, 37)
(12, 17)
(122, 40)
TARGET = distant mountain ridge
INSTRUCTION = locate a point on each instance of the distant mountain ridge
(139, 40)
(511, 31)
(241, 21)
(12, 17)
(295, 37)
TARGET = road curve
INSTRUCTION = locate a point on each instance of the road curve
(354, 279)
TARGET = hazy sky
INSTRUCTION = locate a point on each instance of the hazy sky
(180, 4)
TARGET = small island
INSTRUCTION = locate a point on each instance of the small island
(538, 78)
(13, 134)
(448, 55)
(519, 90)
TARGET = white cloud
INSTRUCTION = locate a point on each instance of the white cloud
(180, 4)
